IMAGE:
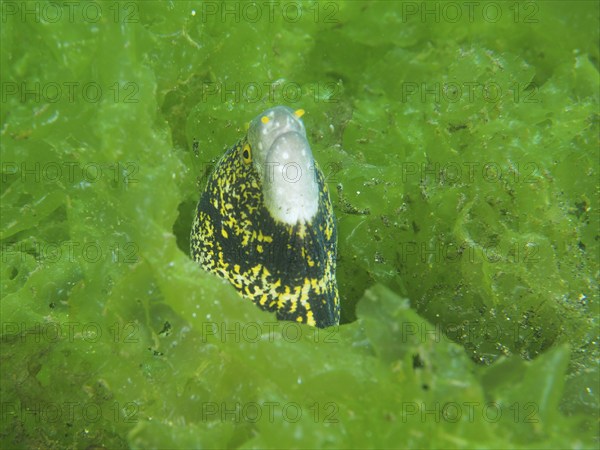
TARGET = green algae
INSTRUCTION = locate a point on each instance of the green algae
(468, 171)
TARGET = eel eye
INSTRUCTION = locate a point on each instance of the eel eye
(246, 154)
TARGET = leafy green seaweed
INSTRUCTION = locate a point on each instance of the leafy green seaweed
(462, 157)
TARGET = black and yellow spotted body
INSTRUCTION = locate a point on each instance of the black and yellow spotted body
(281, 267)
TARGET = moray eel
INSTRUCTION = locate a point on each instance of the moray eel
(265, 222)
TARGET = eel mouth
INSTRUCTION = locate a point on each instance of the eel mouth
(283, 159)
(272, 123)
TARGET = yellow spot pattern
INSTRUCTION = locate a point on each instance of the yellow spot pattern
(289, 269)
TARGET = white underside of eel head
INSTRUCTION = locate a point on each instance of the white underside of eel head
(284, 161)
